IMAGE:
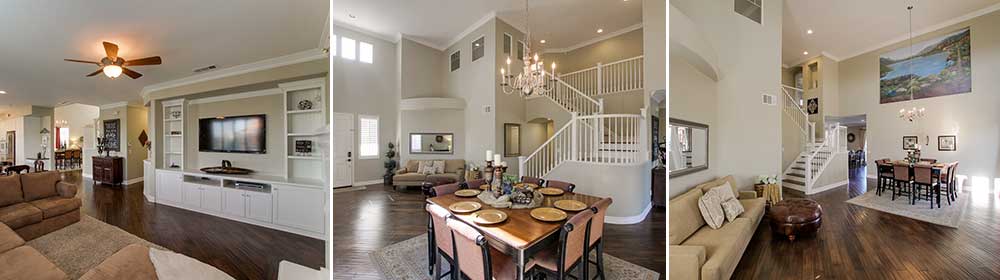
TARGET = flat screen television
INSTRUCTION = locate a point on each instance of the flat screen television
(233, 134)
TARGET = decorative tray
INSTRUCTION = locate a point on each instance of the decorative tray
(226, 170)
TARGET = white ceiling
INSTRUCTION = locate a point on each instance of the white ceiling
(846, 28)
(187, 34)
(562, 23)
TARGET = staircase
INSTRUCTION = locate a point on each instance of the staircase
(591, 135)
(816, 154)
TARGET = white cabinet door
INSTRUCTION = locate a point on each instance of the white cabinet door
(234, 202)
(302, 208)
(259, 206)
(191, 195)
(168, 186)
(211, 198)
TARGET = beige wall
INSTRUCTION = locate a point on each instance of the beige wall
(269, 163)
(627, 45)
(136, 153)
(475, 82)
(510, 108)
(695, 99)
(971, 116)
(80, 121)
(421, 65)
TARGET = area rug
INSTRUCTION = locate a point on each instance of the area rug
(81, 246)
(408, 260)
(947, 215)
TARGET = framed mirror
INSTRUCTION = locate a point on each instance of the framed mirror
(511, 140)
(687, 147)
(432, 143)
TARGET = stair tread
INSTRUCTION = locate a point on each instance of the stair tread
(793, 182)
(798, 168)
(796, 175)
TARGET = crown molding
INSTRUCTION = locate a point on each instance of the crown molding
(421, 42)
(118, 105)
(468, 30)
(610, 35)
(344, 25)
(271, 63)
(807, 59)
(929, 29)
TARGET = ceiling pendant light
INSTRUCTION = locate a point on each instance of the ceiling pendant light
(533, 80)
(914, 113)
(112, 71)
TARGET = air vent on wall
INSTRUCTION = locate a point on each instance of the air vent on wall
(768, 99)
(206, 68)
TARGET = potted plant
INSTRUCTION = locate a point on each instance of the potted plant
(390, 165)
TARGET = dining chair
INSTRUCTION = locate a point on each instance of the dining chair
(948, 183)
(923, 179)
(533, 180)
(600, 209)
(928, 160)
(565, 186)
(474, 256)
(445, 189)
(439, 244)
(883, 169)
(571, 248)
(474, 184)
(901, 178)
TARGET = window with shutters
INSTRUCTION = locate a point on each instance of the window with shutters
(368, 134)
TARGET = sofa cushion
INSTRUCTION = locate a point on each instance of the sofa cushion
(131, 262)
(754, 209)
(28, 263)
(412, 165)
(20, 215)
(723, 247)
(443, 178)
(409, 177)
(685, 218)
(710, 206)
(719, 182)
(453, 165)
(56, 205)
(426, 167)
(10, 190)
(9, 239)
(39, 185)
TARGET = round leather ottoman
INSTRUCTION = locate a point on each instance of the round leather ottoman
(793, 217)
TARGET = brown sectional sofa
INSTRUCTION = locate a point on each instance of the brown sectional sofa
(18, 261)
(700, 252)
(34, 204)
(454, 172)
(129, 263)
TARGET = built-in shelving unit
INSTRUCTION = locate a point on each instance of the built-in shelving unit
(306, 125)
(173, 134)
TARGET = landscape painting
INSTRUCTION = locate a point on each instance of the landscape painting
(936, 67)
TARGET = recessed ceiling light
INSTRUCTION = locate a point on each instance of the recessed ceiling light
(542, 41)
(805, 53)
(599, 30)
(810, 31)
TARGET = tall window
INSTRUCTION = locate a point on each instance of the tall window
(333, 45)
(368, 132)
(347, 48)
(365, 52)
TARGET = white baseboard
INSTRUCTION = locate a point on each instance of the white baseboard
(827, 187)
(133, 180)
(88, 176)
(369, 182)
(630, 219)
(149, 198)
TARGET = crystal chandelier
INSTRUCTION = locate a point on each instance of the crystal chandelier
(532, 80)
(911, 114)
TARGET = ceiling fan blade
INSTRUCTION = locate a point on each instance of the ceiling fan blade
(112, 50)
(153, 60)
(130, 73)
(96, 72)
(82, 61)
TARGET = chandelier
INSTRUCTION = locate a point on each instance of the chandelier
(911, 114)
(532, 80)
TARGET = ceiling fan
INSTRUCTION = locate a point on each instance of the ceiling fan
(114, 65)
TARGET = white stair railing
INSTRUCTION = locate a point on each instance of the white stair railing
(572, 99)
(799, 117)
(613, 139)
(619, 76)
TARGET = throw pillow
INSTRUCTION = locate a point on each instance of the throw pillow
(438, 166)
(725, 192)
(426, 167)
(711, 209)
(733, 209)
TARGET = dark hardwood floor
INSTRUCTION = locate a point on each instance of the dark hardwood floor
(859, 243)
(367, 220)
(242, 250)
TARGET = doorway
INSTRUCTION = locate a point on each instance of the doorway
(343, 149)
(857, 146)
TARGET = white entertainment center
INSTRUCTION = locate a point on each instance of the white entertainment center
(295, 202)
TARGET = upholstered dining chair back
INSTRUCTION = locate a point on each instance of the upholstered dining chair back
(444, 189)
(439, 226)
(952, 171)
(474, 184)
(600, 209)
(471, 250)
(901, 171)
(923, 174)
(533, 180)
(573, 237)
(928, 160)
(565, 186)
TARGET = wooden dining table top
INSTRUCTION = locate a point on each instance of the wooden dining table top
(520, 230)
(938, 165)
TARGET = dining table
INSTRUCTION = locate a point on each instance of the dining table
(520, 236)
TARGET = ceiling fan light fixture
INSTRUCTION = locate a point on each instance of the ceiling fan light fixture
(112, 71)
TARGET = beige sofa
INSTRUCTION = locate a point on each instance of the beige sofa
(454, 172)
(700, 252)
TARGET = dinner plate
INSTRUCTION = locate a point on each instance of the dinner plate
(551, 191)
(526, 185)
(465, 207)
(570, 205)
(489, 216)
(467, 193)
(484, 187)
(548, 214)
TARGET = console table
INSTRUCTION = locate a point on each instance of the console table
(108, 170)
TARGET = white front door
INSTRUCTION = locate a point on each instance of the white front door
(343, 149)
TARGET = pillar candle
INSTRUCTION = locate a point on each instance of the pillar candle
(496, 158)
(489, 155)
